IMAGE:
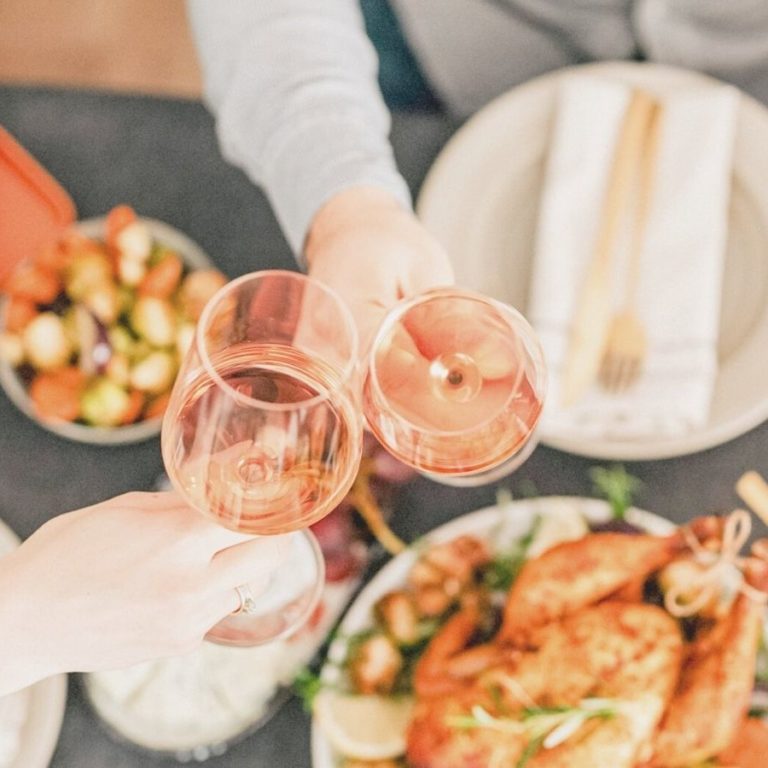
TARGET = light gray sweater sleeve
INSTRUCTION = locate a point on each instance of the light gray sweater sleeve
(292, 84)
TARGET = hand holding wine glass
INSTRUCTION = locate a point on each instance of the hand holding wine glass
(263, 431)
(454, 381)
(372, 252)
(129, 579)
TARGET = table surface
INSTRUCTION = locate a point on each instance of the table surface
(162, 157)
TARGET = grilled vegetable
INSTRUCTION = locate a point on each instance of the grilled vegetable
(154, 320)
(118, 369)
(111, 308)
(163, 278)
(56, 395)
(154, 374)
(34, 283)
(45, 342)
(88, 272)
(121, 340)
(19, 313)
(127, 235)
(104, 302)
(12, 349)
(133, 409)
(156, 407)
(399, 618)
(198, 287)
(130, 271)
(375, 664)
(104, 403)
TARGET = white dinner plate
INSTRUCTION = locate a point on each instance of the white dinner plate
(500, 523)
(481, 199)
(47, 700)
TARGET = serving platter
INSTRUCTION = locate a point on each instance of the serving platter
(501, 524)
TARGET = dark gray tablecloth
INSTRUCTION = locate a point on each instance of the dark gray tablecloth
(161, 156)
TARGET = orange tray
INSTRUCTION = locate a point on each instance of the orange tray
(35, 207)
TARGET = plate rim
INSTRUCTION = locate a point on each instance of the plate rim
(47, 699)
(710, 435)
(482, 519)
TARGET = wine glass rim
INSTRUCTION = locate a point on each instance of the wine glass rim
(344, 374)
(506, 310)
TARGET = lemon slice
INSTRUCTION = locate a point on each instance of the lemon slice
(364, 727)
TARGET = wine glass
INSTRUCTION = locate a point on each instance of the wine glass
(455, 385)
(263, 432)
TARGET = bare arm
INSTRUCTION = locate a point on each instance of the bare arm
(137, 577)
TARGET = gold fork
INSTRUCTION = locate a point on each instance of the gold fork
(593, 311)
(626, 344)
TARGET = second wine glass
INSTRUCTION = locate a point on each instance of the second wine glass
(455, 385)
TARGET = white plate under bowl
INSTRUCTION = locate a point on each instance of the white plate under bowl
(514, 519)
(194, 257)
(481, 200)
(47, 700)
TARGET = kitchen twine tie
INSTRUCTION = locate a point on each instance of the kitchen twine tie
(718, 567)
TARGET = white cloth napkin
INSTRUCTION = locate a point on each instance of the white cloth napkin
(678, 297)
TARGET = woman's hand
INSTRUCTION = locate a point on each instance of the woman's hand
(373, 253)
(137, 577)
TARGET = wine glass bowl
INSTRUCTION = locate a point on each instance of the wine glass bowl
(455, 385)
(263, 433)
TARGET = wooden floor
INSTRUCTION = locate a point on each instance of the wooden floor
(133, 45)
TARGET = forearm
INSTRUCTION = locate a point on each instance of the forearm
(26, 651)
(293, 86)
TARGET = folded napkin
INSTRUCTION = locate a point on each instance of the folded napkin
(678, 296)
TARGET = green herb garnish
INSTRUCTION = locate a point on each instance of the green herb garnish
(545, 727)
(616, 486)
(307, 684)
(411, 654)
(531, 750)
(355, 639)
(527, 489)
(501, 572)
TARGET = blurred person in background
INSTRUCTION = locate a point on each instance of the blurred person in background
(294, 88)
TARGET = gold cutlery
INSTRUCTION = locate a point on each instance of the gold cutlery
(626, 344)
(593, 311)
